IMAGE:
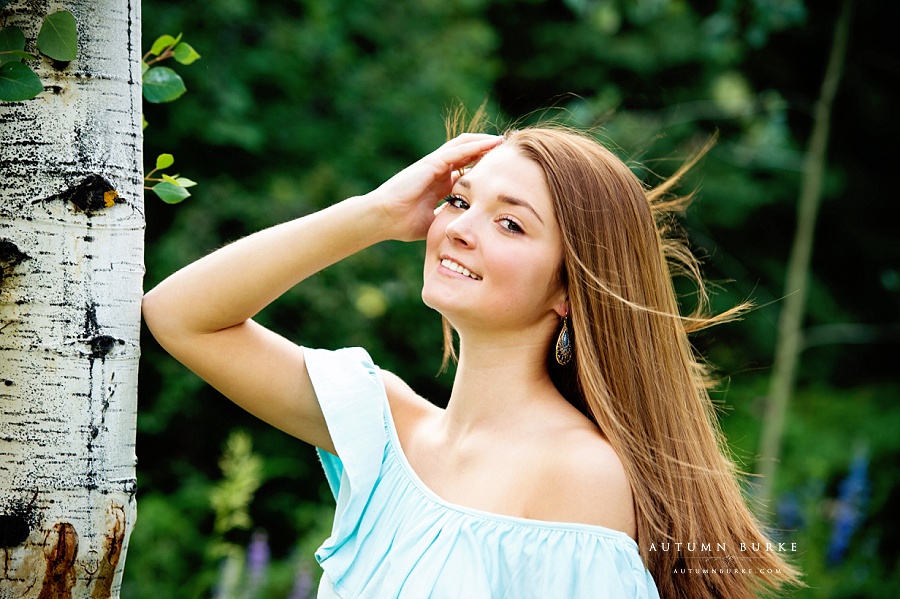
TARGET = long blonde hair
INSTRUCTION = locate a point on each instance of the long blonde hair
(635, 373)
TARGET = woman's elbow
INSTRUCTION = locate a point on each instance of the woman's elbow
(158, 315)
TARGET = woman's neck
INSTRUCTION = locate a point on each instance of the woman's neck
(499, 380)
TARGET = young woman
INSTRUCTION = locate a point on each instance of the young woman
(579, 454)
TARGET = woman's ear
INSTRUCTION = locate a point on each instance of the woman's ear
(561, 306)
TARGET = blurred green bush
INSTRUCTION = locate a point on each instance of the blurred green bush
(300, 103)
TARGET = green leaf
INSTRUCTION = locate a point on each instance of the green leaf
(58, 37)
(144, 68)
(185, 182)
(170, 193)
(161, 43)
(144, 122)
(164, 161)
(162, 84)
(170, 179)
(18, 82)
(185, 54)
(11, 40)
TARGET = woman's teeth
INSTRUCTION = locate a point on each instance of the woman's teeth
(447, 263)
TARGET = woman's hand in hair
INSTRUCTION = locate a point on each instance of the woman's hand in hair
(408, 199)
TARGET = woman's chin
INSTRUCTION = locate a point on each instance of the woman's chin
(449, 307)
(436, 301)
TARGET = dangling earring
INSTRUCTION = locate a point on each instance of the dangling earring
(564, 344)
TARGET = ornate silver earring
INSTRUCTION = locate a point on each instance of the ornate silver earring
(564, 344)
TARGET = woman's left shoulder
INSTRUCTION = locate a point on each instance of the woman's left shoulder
(586, 479)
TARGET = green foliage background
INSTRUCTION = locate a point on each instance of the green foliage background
(300, 103)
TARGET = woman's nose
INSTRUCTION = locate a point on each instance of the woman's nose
(461, 230)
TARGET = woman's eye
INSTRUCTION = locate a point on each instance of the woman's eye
(511, 225)
(457, 202)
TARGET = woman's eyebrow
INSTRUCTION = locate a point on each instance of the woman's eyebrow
(505, 199)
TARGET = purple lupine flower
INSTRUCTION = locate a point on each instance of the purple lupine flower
(789, 511)
(849, 508)
(258, 557)
(303, 584)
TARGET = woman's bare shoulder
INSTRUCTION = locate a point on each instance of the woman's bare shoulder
(584, 479)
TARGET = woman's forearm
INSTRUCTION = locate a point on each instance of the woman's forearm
(232, 284)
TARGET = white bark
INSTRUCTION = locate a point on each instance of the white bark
(70, 296)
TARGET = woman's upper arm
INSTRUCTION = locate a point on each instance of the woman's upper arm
(258, 369)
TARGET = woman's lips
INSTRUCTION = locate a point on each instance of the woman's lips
(451, 264)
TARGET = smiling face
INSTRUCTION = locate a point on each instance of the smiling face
(494, 249)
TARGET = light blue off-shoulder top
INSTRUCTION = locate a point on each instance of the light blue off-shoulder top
(392, 537)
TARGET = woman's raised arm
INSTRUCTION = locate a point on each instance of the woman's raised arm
(202, 314)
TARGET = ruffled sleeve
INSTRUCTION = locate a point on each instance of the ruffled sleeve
(350, 392)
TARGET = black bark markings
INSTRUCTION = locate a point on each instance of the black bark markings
(13, 530)
(91, 326)
(10, 257)
(103, 344)
(17, 521)
(94, 193)
(100, 346)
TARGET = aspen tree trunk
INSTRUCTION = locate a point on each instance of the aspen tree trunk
(789, 344)
(71, 274)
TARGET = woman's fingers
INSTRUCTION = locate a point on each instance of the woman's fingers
(434, 174)
(469, 137)
(409, 197)
(462, 150)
